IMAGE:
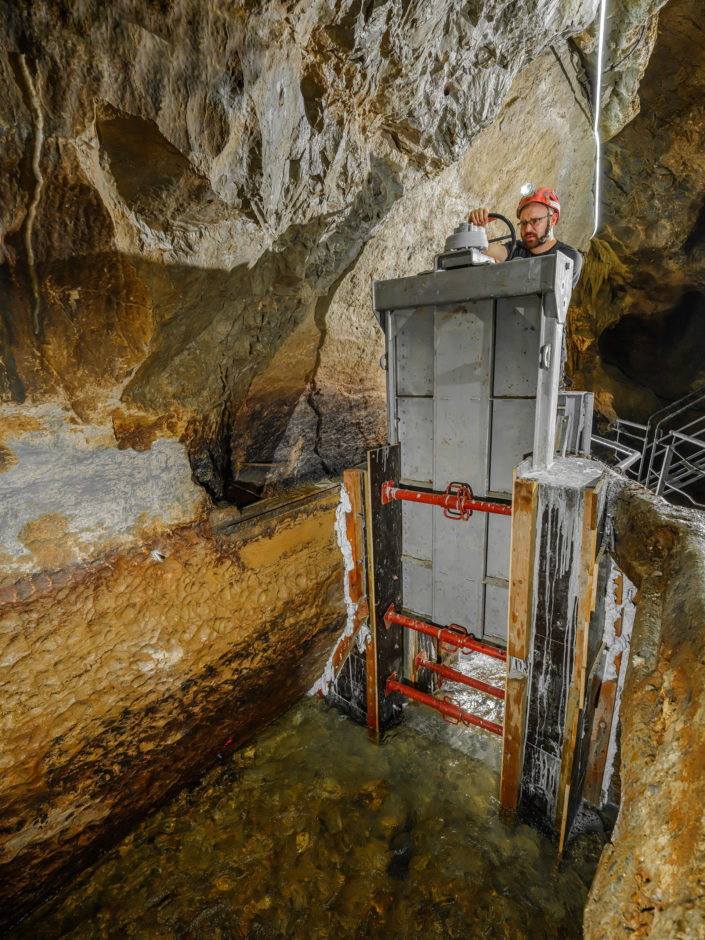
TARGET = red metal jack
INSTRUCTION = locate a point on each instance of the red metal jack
(451, 712)
(454, 636)
(458, 501)
(423, 662)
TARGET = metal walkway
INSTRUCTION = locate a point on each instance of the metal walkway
(667, 454)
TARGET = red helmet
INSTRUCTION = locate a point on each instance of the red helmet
(546, 196)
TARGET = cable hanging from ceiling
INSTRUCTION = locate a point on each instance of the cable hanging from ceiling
(596, 112)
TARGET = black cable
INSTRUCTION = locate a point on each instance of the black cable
(631, 51)
(496, 215)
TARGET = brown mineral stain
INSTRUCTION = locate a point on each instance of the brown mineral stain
(140, 430)
(135, 671)
(262, 552)
(46, 538)
(8, 459)
(13, 425)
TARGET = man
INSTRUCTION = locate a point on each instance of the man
(538, 211)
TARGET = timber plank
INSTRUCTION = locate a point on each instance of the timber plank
(512, 740)
(352, 481)
(521, 565)
(601, 729)
(345, 644)
(384, 571)
(371, 649)
(572, 720)
(587, 584)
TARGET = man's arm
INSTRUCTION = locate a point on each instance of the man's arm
(496, 251)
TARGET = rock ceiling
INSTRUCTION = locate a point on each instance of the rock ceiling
(197, 193)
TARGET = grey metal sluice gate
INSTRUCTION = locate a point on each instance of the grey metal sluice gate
(473, 358)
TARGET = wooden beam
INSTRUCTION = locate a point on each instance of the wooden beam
(570, 735)
(345, 644)
(371, 652)
(352, 481)
(521, 566)
(601, 728)
(384, 568)
(512, 740)
(521, 586)
(354, 530)
(588, 574)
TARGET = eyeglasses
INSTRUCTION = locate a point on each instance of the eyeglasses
(534, 222)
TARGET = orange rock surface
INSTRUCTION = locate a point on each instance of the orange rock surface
(122, 679)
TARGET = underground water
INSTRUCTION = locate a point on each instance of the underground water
(314, 830)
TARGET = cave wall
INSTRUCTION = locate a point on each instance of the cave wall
(196, 197)
(123, 679)
(637, 327)
(649, 879)
(188, 183)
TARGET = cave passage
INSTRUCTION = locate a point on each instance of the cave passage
(663, 352)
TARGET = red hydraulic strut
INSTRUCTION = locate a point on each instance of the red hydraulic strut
(423, 662)
(451, 712)
(454, 635)
(458, 501)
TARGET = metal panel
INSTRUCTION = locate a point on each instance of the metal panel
(463, 380)
(417, 585)
(521, 277)
(512, 439)
(518, 334)
(496, 610)
(458, 562)
(417, 524)
(499, 530)
(414, 338)
(416, 432)
(463, 344)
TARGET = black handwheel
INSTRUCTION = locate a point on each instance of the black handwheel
(502, 238)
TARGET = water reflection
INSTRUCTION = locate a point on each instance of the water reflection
(315, 832)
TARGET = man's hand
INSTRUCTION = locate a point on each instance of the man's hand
(479, 217)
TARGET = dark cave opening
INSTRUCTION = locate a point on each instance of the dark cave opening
(212, 469)
(663, 352)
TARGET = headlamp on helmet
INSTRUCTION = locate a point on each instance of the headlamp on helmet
(544, 195)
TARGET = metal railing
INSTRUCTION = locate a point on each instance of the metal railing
(670, 448)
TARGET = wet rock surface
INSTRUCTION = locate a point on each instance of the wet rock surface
(649, 882)
(122, 680)
(316, 831)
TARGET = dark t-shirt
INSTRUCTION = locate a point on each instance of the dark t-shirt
(521, 252)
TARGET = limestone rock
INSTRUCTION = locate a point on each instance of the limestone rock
(630, 33)
(637, 325)
(649, 879)
(124, 678)
(188, 183)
